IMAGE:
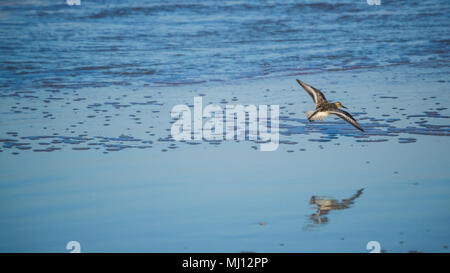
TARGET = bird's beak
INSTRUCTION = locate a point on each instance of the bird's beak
(344, 106)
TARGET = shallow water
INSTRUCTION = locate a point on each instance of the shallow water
(86, 152)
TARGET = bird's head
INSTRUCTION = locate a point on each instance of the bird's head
(339, 105)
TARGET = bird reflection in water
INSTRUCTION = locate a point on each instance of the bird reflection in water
(326, 204)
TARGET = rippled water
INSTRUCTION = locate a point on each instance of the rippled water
(48, 45)
(86, 152)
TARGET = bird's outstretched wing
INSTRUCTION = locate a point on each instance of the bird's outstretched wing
(347, 117)
(315, 94)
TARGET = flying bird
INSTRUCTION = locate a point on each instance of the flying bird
(325, 108)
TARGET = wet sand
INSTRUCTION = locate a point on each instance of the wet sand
(98, 165)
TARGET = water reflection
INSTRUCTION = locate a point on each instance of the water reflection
(326, 204)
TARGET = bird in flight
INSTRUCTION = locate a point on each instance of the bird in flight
(325, 108)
